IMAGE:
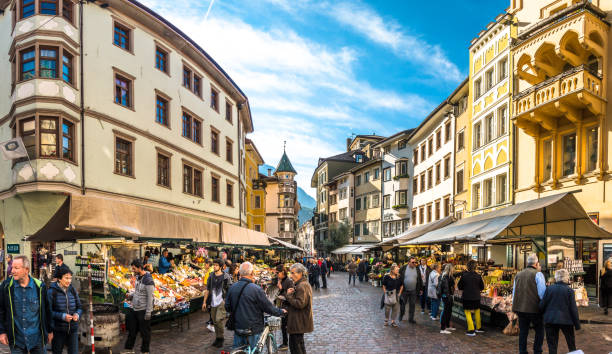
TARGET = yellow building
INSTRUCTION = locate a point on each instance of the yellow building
(489, 141)
(367, 225)
(255, 189)
(560, 105)
(463, 123)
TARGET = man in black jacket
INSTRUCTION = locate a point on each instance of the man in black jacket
(413, 287)
(361, 269)
(324, 272)
(248, 303)
(424, 271)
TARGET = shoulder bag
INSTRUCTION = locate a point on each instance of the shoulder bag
(231, 321)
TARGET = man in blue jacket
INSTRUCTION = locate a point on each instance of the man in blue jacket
(25, 318)
(248, 303)
(164, 264)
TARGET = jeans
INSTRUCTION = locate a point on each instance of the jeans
(217, 314)
(324, 280)
(435, 305)
(351, 276)
(135, 322)
(65, 339)
(36, 350)
(391, 311)
(251, 340)
(552, 337)
(315, 280)
(525, 320)
(408, 298)
(424, 301)
(447, 312)
(284, 330)
(296, 343)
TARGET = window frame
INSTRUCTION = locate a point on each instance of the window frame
(229, 153)
(42, 58)
(589, 148)
(563, 152)
(502, 121)
(195, 169)
(55, 2)
(215, 135)
(132, 166)
(166, 99)
(131, 87)
(438, 172)
(168, 157)
(21, 7)
(438, 139)
(128, 29)
(192, 120)
(499, 191)
(229, 193)
(489, 79)
(502, 69)
(447, 131)
(165, 60)
(487, 196)
(461, 140)
(459, 181)
(229, 112)
(59, 133)
(214, 98)
(447, 166)
(61, 49)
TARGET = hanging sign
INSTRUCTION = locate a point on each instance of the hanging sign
(12, 248)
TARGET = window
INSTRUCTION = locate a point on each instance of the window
(438, 172)
(401, 198)
(386, 150)
(163, 170)
(477, 136)
(387, 201)
(257, 202)
(365, 229)
(500, 188)
(214, 189)
(489, 80)
(401, 168)
(196, 183)
(447, 161)
(161, 59)
(477, 88)
(123, 157)
(196, 134)
(421, 215)
(459, 181)
(422, 182)
(447, 132)
(358, 204)
(258, 227)
(429, 178)
(376, 174)
(228, 111)
(423, 152)
(487, 199)
(123, 91)
(161, 111)
(547, 156)
(187, 75)
(214, 99)
(27, 64)
(375, 201)
(415, 156)
(56, 137)
(429, 213)
(502, 69)
(401, 144)
(476, 196)
(67, 71)
(67, 140)
(342, 213)
(415, 183)
(358, 180)
(197, 85)
(28, 8)
(48, 62)
(460, 140)
(229, 151)
(438, 139)
(122, 37)
(48, 7)
(437, 210)
(488, 129)
(48, 137)
(447, 206)
(357, 229)
(366, 202)
(430, 147)
(502, 116)
(214, 141)
(67, 7)
(414, 216)
(366, 177)
(569, 154)
(229, 194)
(387, 174)
(187, 119)
(592, 145)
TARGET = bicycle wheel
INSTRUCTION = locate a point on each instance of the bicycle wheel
(271, 345)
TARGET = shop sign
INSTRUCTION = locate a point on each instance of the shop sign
(12, 248)
(594, 217)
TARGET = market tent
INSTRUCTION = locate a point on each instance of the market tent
(84, 216)
(362, 249)
(345, 249)
(236, 235)
(555, 215)
(287, 244)
(415, 232)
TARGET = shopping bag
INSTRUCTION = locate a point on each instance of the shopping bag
(512, 329)
(390, 298)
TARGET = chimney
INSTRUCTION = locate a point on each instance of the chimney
(348, 144)
(269, 172)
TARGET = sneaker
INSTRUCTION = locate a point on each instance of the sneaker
(393, 324)
(218, 343)
(470, 333)
(283, 347)
(412, 321)
(211, 328)
(479, 331)
(451, 328)
(444, 331)
(433, 319)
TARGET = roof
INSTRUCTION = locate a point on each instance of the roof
(250, 142)
(365, 164)
(348, 156)
(394, 136)
(284, 165)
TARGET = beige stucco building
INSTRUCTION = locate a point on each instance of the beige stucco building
(113, 101)
(282, 206)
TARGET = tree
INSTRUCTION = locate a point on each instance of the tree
(338, 237)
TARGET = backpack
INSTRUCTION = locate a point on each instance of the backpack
(439, 287)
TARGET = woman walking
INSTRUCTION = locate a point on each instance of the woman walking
(447, 288)
(66, 311)
(392, 287)
(560, 312)
(284, 283)
(471, 284)
(605, 285)
(299, 320)
(434, 277)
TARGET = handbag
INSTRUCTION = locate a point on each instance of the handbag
(231, 320)
(391, 297)
(512, 329)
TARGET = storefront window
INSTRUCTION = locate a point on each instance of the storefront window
(569, 154)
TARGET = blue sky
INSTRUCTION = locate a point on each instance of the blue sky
(317, 71)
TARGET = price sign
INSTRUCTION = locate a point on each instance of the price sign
(12, 248)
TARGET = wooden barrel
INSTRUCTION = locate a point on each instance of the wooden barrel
(106, 326)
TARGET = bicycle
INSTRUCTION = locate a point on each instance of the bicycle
(267, 339)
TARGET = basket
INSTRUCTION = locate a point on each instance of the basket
(274, 323)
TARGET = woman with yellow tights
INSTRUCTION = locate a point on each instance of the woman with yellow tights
(471, 284)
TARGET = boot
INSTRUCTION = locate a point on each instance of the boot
(218, 343)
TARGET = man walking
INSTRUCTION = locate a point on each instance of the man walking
(361, 269)
(324, 273)
(25, 317)
(138, 319)
(413, 287)
(218, 285)
(352, 270)
(529, 289)
(424, 271)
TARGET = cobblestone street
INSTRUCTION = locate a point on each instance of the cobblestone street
(348, 320)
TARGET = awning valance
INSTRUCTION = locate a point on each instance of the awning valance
(286, 244)
(560, 214)
(345, 249)
(236, 235)
(84, 216)
(416, 231)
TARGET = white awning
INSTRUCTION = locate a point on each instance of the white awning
(286, 244)
(416, 231)
(345, 249)
(561, 213)
(362, 249)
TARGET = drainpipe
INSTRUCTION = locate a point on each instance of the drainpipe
(381, 201)
(512, 164)
(240, 202)
(82, 87)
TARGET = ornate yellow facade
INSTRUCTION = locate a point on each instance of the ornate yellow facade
(255, 189)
